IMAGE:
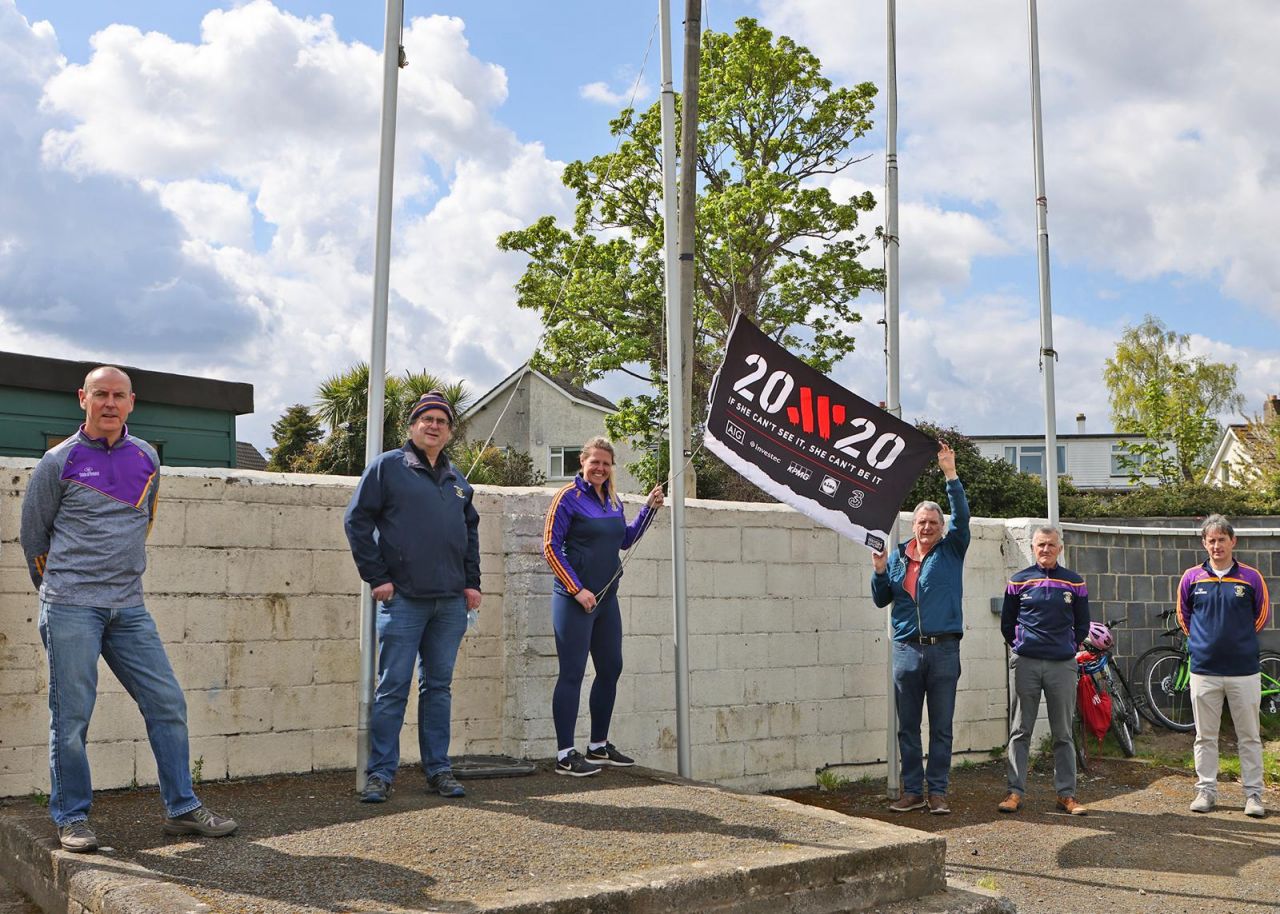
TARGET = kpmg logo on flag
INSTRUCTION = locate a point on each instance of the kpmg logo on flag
(829, 485)
(798, 470)
(735, 432)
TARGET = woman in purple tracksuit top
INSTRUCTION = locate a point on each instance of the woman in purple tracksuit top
(585, 530)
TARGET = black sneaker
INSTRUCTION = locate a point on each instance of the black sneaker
(445, 784)
(608, 754)
(376, 790)
(576, 766)
(202, 822)
(78, 838)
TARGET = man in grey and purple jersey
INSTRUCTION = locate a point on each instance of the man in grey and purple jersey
(1222, 605)
(1044, 618)
(85, 519)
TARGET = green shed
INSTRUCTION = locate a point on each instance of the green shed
(189, 421)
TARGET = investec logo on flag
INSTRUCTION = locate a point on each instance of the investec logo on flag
(809, 442)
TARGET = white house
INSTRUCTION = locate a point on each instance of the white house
(1231, 462)
(549, 419)
(1093, 461)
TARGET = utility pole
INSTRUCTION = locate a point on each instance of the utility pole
(688, 205)
(392, 60)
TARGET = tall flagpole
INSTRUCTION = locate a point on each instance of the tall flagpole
(392, 60)
(1048, 355)
(893, 397)
(677, 436)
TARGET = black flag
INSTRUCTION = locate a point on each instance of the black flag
(810, 443)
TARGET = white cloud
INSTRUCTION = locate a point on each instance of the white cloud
(232, 186)
(602, 93)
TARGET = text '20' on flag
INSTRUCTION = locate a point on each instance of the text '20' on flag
(810, 443)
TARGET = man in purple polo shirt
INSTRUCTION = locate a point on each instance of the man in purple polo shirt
(85, 519)
(1222, 605)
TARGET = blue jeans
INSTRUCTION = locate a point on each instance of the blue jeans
(427, 631)
(925, 672)
(74, 637)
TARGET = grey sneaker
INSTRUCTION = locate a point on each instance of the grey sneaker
(1253, 807)
(1204, 802)
(445, 784)
(608, 754)
(376, 790)
(200, 821)
(78, 838)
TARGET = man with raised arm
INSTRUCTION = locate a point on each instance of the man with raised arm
(923, 579)
(85, 519)
(1222, 605)
(1044, 618)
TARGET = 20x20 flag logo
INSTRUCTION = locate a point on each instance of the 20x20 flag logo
(808, 441)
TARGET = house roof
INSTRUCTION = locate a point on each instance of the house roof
(249, 457)
(563, 385)
(34, 372)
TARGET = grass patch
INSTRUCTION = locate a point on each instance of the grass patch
(989, 883)
(830, 780)
(40, 798)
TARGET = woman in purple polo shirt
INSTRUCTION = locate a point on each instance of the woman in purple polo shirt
(586, 529)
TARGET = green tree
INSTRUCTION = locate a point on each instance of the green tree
(1160, 391)
(293, 433)
(772, 241)
(994, 487)
(1260, 442)
(492, 466)
(342, 403)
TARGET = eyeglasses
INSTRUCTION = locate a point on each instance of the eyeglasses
(432, 420)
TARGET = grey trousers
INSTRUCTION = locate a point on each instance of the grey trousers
(1057, 680)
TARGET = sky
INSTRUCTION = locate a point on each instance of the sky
(190, 186)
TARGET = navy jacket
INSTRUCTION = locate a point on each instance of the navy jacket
(1222, 618)
(941, 583)
(1045, 613)
(583, 536)
(407, 528)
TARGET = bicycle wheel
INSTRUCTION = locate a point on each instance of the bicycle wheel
(1133, 717)
(1270, 664)
(1078, 736)
(1120, 726)
(1168, 687)
(1138, 676)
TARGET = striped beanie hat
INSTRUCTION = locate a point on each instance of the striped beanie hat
(431, 400)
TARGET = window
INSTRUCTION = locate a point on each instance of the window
(1029, 458)
(1123, 463)
(564, 462)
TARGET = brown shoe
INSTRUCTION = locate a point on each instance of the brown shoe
(1070, 806)
(1011, 803)
(907, 802)
(938, 805)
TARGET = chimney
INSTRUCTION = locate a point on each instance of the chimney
(1271, 408)
(1079, 423)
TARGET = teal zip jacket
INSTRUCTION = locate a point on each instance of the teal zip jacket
(940, 586)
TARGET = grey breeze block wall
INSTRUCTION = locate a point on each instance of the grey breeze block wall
(255, 596)
(1133, 575)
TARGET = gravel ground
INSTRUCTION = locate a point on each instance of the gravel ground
(306, 845)
(1139, 851)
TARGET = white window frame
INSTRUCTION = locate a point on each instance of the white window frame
(558, 453)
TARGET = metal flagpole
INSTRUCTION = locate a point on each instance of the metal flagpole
(1048, 355)
(392, 60)
(675, 394)
(892, 399)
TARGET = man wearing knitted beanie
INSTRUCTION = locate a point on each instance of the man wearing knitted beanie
(415, 537)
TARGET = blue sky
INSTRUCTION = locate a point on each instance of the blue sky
(193, 191)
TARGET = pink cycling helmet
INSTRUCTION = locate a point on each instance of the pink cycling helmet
(1099, 637)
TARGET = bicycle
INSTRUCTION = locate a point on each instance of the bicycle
(1167, 681)
(1095, 660)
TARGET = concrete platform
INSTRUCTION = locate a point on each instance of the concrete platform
(631, 840)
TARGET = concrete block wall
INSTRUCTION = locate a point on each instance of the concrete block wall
(255, 596)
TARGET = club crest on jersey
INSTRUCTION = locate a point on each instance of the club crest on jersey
(458, 491)
(1066, 598)
(1239, 590)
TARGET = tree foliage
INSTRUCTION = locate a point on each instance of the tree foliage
(1177, 499)
(1160, 391)
(293, 433)
(771, 241)
(1260, 443)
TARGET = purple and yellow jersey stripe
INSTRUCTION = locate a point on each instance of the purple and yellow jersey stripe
(553, 533)
(1221, 617)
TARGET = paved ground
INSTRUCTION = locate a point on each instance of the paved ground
(306, 845)
(1139, 851)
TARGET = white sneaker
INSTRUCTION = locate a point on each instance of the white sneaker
(1204, 801)
(1253, 807)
